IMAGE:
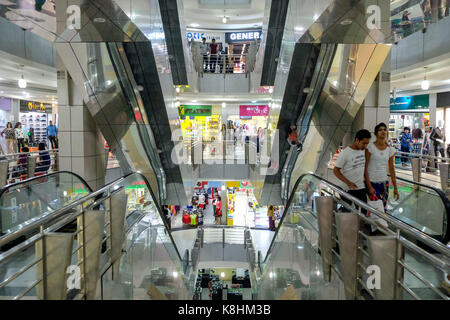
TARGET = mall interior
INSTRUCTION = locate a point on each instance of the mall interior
(192, 149)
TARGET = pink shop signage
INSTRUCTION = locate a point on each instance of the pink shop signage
(254, 111)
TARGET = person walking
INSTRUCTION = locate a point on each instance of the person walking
(379, 155)
(10, 136)
(20, 136)
(350, 166)
(167, 215)
(52, 135)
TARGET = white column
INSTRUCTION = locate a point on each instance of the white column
(433, 101)
(81, 145)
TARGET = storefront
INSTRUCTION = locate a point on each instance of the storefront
(238, 45)
(412, 112)
(35, 117)
(251, 118)
(199, 120)
(443, 112)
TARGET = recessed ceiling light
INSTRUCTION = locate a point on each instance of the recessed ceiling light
(224, 19)
(194, 101)
(195, 25)
(346, 22)
(99, 20)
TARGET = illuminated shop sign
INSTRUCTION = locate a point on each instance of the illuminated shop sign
(198, 36)
(410, 102)
(243, 36)
(156, 36)
(29, 106)
(195, 111)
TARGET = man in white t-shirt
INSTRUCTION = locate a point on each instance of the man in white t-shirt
(350, 165)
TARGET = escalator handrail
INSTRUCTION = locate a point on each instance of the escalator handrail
(5, 188)
(60, 212)
(418, 235)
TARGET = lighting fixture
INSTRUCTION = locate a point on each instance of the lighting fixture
(271, 90)
(222, 274)
(425, 83)
(175, 274)
(346, 22)
(224, 105)
(22, 82)
(194, 101)
(99, 20)
(224, 19)
(195, 25)
(223, 188)
(316, 16)
(299, 28)
(65, 193)
(178, 89)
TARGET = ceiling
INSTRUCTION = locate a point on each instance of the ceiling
(41, 79)
(208, 14)
(438, 73)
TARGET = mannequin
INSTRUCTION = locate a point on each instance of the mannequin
(438, 138)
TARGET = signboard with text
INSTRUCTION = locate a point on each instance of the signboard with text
(254, 111)
(411, 102)
(195, 111)
(243, 36)
(30, 106)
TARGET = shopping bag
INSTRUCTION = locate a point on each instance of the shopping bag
(377, 204)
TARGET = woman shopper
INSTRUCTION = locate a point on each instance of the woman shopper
(405, 144)
(10, 136)
(379, 155)
(20, 136)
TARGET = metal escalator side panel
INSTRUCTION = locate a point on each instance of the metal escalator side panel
(339, 103)
(91, 68)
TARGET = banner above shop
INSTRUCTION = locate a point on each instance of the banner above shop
(254, 111)
(30, 106)
(195, 111)
(411, 102)
(243, 36)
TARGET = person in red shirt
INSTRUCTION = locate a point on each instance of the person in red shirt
(218, 212)
(213, 56)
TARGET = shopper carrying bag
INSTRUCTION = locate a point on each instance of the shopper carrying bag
(377, 204)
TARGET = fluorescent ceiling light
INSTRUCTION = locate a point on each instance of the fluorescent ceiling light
(224, 104)
(299, 28)
(224, 19)
(195, 25)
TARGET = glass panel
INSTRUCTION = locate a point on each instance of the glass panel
(417, 16)
(22, 203)
(419, 206)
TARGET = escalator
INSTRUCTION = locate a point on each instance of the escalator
(302, 264)
(128, 249)
(127, 86)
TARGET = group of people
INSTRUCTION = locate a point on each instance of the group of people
(16, 135)
(43, 161)
(242, 133)
(362, 168)
(216, 57)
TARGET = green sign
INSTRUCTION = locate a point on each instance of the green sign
(411, 102)
(195, 111)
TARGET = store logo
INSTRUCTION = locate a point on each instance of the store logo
(197, 151)
(374, 20)
(74, 17)
(34, 107)
(244, 36)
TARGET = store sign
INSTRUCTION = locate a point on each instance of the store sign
(30, 106)
(411, 102)
(243, 36)
(198, 36)
(254, 111)
(195, 111)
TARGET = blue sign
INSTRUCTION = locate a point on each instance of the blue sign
(243, 36)
(195, 35)
(411, 102)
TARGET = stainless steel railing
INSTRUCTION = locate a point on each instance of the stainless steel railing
(77, 211)
(406, 237)
(21, 166)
